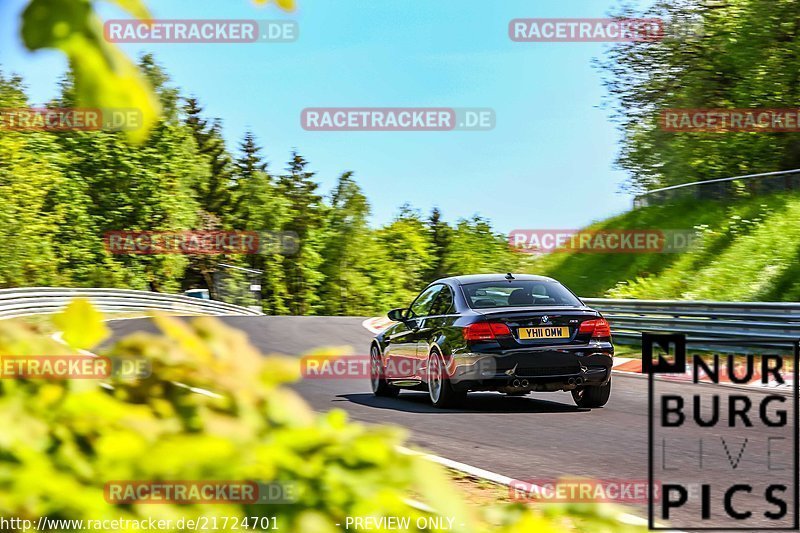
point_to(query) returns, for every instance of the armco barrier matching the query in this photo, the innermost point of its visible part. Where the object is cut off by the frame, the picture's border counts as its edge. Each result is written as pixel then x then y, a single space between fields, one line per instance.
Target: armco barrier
pixel 46 300
pixel 629 318
pixel 702 320
pixel 723 188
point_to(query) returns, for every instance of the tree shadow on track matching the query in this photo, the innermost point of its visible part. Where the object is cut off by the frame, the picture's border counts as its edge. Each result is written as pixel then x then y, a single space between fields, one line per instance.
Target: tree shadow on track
pixel 410 402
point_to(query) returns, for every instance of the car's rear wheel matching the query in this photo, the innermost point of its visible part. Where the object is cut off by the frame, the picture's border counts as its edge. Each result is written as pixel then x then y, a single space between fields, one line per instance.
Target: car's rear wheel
pixel 439 387
pixel 595 396
pixel 380 387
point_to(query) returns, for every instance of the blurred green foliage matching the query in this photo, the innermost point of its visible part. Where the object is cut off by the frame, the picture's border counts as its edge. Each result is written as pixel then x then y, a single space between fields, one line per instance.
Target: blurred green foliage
pixel 731 54
pixel 63 440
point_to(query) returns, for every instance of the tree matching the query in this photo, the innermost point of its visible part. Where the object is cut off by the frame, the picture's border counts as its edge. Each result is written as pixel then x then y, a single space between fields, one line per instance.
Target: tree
pixel 305 214
pixel 737 59
pixel 475 248
pixel 214 192
pixel 29 171
pixel 250 177
pixel 409 255
pixel 257 206
pixel 347 287
pixel 441 235
pixel 111 185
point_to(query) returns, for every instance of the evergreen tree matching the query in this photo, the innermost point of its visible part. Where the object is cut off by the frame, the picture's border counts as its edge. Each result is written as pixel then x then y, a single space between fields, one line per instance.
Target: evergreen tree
pixel 258 207
pixel 305 213
pixel 214 193
pixel 347 287
pixel 441 235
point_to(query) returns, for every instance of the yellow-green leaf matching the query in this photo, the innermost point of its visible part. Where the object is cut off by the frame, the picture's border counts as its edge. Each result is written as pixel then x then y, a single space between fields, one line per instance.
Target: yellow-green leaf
pixel 81 325
pixel 287 5
pixel 104 76
pixel 134 7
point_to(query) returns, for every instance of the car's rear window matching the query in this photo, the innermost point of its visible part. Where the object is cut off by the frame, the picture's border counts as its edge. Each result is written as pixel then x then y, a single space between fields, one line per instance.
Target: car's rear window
pixel 519 293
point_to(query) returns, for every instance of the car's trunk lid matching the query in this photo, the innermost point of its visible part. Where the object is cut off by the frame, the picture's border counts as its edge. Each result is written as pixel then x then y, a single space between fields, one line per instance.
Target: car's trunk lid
pixel 542 325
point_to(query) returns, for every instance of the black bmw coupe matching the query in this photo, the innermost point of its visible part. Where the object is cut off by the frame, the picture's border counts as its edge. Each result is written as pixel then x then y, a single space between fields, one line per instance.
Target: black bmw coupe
pixel 494 332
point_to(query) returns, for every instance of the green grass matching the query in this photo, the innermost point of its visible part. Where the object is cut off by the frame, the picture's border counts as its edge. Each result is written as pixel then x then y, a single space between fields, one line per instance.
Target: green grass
pixel 747 250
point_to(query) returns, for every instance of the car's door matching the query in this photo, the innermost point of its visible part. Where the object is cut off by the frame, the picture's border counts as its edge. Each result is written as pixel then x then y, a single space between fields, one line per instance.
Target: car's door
pixel 431 326
pixel 401 351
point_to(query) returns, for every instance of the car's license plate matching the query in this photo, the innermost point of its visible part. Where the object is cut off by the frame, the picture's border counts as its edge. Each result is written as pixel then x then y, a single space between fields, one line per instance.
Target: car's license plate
pixel 544 333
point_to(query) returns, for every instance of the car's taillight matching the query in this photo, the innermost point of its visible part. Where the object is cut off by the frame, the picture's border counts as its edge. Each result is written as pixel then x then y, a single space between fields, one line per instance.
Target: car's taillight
pixel 599 328
pixel 485 331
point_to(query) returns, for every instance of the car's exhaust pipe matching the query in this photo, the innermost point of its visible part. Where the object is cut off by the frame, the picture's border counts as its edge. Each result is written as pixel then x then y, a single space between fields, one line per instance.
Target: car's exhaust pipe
pixel 516 383
pixel 571 381
pixel 579 381
pixel 524 383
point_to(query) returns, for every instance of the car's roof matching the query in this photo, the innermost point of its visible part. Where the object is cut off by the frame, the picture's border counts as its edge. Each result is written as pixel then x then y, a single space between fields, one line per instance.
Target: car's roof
pixel 482 278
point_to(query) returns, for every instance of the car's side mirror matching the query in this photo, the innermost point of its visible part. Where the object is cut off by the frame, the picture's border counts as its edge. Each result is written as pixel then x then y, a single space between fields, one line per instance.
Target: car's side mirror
pixel 398 315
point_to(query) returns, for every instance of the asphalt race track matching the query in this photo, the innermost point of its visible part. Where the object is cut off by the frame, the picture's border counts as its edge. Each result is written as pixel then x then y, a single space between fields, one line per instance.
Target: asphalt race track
pixel 541 436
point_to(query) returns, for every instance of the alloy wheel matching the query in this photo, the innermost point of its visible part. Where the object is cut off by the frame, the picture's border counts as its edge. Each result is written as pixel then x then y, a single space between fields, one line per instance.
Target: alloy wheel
pixel 435 377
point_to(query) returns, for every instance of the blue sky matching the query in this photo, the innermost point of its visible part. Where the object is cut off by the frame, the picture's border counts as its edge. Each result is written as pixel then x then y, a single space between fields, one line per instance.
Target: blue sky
pixel 547 164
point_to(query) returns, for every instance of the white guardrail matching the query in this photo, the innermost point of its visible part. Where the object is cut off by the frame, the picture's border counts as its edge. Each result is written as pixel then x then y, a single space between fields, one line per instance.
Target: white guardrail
pixel 47 300
pixel 768 324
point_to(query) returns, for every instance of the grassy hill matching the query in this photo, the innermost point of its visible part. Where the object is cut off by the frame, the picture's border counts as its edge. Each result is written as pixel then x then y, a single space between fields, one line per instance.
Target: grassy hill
pixel 747 249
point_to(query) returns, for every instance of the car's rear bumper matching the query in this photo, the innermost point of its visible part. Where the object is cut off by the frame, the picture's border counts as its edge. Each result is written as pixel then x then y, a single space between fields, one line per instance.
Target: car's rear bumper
pixel 547 368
